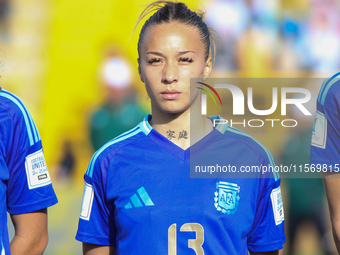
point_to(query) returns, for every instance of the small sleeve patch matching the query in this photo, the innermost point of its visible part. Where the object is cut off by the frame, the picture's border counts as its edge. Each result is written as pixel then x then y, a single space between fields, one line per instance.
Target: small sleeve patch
pixel 319 135
pixel 277 205
pixel 87 202
pixel 36 170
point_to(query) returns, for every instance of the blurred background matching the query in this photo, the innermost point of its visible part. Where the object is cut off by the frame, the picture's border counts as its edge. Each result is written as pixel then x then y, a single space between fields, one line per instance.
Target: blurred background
pixel 74 65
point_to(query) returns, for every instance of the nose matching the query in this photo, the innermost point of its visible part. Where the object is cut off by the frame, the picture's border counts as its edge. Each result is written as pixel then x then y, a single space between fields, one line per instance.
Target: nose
pixel 170 73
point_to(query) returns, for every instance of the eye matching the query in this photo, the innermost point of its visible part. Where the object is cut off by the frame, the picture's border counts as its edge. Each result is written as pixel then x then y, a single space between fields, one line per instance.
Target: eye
pixel 186 59
pixel 154 60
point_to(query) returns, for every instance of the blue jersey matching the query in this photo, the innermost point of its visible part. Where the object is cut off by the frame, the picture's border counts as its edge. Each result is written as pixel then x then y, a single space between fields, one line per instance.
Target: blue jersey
pixel 140 198
pixel 325 149
pixel 25 184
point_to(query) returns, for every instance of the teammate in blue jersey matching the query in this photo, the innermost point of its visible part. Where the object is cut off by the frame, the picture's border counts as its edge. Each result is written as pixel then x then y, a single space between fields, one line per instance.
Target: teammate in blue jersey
pixel 325 149
pixel 139 197
pixel 25 185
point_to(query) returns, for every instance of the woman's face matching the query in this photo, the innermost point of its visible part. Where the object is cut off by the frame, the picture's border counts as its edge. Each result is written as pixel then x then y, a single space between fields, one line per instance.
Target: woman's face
pixel 171 54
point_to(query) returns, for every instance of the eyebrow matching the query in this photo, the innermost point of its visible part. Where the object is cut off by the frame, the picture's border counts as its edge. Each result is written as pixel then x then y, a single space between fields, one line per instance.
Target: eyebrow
pixel 178 53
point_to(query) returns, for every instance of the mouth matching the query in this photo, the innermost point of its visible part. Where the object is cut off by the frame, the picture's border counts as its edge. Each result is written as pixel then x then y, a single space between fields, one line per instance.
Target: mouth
pixel 170 94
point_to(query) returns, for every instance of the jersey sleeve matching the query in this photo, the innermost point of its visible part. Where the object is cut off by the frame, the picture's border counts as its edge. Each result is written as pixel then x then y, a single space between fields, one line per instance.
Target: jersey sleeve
pixel 325 145
pixel 96 223
pixel 29 186
pixel 267 232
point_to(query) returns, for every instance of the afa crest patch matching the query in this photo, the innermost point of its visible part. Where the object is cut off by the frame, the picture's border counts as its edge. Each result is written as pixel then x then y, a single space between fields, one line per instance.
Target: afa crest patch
pixel 227 197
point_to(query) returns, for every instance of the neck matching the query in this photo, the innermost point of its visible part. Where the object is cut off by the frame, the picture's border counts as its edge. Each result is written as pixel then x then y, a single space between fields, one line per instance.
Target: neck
pixel 183 129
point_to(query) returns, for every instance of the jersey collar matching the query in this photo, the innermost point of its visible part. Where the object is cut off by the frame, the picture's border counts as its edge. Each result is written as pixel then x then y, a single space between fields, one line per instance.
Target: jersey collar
pixel 175 150
pixel 217 121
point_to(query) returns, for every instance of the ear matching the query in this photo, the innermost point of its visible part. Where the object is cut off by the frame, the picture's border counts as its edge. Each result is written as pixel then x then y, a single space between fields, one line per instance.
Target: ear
pixel 140 71
pixel 207 68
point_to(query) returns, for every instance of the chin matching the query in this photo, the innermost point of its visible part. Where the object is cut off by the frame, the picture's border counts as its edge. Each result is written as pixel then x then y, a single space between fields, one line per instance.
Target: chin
pixel 173 108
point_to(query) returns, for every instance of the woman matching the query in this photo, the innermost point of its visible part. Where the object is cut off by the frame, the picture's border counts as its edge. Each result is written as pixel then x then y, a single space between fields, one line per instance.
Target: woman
pixel 139 198
pixel 25 185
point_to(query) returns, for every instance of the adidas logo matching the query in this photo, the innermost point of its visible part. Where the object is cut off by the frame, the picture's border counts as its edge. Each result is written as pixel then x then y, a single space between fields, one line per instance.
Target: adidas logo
pixel 136 200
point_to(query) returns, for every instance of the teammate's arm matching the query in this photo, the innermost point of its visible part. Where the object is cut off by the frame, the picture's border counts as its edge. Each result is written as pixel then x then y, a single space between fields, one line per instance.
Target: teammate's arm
pixel 93 249
pixel 332 187
pixel 31 235
pixel 325 148
pixel 280 252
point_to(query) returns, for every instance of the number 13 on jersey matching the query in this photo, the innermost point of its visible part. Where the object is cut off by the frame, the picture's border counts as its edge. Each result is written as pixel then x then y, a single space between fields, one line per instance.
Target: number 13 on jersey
pixel 195 244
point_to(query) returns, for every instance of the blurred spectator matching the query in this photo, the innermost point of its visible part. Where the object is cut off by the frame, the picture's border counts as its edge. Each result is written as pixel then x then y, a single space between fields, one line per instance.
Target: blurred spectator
pixel 119 112
pixel 229 18
pixel 248 35
pixel 265 15
pixel 319 47
pixel 255 52
pixel 290 32
pixel 66 166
